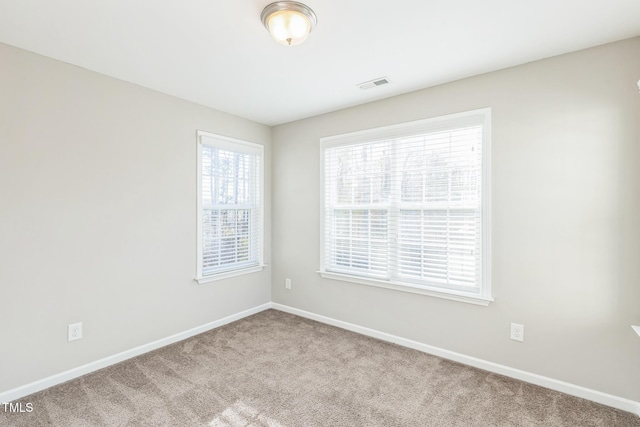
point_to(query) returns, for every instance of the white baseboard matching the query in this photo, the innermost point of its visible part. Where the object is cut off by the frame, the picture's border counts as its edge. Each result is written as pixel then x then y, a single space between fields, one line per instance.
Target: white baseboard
pixel 550 383
pixel 36 386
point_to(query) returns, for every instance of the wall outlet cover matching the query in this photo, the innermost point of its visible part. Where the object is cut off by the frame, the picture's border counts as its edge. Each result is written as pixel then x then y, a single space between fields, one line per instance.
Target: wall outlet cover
pixel 517 332
pixel 74 332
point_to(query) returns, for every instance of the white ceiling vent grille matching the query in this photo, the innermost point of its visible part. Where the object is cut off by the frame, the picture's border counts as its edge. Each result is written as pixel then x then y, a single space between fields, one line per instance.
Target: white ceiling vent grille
pixel 380 81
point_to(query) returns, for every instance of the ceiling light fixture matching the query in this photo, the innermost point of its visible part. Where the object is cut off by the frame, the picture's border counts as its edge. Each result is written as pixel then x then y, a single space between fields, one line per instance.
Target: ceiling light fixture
pixel 289 22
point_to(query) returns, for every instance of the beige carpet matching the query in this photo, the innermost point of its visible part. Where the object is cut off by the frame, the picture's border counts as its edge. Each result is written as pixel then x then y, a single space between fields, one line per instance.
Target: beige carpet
pixel 275 369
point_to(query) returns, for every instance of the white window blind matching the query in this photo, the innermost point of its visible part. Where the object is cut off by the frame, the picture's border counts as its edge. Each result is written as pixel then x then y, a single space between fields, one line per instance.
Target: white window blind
pixel 408 204
pixel 229 205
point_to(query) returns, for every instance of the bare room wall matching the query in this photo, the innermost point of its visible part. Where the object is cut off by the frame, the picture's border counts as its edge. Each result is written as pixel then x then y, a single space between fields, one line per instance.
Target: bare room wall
pixel 565 230
pixel 98 217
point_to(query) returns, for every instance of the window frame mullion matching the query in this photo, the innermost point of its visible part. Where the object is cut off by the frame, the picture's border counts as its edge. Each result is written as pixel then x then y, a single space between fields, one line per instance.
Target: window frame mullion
pixel 393 212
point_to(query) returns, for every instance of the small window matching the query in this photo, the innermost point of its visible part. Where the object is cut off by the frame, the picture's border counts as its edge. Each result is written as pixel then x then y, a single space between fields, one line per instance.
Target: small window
pixel 230 207
pixel 407 207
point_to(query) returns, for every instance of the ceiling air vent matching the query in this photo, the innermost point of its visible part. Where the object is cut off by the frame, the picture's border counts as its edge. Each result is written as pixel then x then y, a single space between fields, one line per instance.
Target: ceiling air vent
pixel 380 81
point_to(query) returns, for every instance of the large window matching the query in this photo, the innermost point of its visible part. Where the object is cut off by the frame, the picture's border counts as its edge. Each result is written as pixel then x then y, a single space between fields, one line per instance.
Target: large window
pixel 407 207
pixel 230 206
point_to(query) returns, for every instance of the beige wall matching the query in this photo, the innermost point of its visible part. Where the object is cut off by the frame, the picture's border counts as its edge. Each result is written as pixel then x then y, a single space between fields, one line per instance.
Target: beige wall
pixel 565 232
pixel 98 217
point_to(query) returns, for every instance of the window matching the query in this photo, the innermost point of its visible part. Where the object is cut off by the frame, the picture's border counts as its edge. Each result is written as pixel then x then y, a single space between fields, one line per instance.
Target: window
pixel 407 207
pixel 230 206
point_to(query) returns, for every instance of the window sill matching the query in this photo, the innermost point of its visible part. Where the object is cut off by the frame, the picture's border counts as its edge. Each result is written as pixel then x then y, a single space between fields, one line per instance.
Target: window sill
pixel 228 274
pixel 438 293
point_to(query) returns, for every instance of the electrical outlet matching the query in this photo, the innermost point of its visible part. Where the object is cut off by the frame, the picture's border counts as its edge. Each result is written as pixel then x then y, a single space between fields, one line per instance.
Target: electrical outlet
pixel 517 332
pixel 287 283
pixel 75 331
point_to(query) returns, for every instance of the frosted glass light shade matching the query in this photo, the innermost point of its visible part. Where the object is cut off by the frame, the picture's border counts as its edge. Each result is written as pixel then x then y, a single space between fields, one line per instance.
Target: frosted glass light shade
pixel 289 22
pixel 288 27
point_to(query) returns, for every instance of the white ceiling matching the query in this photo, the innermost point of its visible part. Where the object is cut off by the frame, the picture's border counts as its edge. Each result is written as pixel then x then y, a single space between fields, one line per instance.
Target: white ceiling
pixel 217 53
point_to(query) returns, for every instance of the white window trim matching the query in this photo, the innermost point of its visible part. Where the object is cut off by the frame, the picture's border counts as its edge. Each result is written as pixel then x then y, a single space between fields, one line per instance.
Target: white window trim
pixel 482 298
pixel 235 145
pixel 414 289
pixel 228 274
